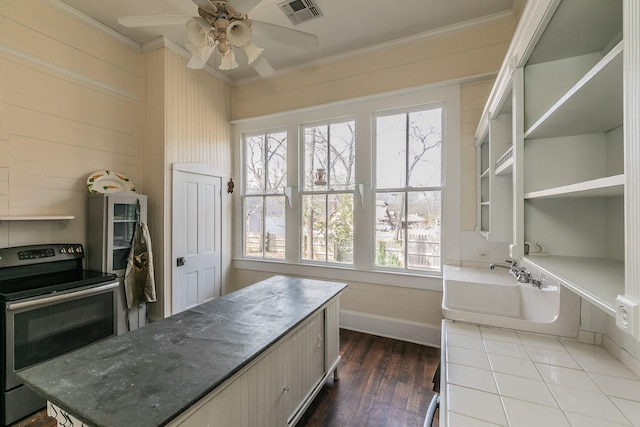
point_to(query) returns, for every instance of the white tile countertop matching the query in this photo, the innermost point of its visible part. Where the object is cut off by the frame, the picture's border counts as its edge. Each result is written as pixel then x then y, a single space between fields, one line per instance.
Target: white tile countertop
pixel 500 377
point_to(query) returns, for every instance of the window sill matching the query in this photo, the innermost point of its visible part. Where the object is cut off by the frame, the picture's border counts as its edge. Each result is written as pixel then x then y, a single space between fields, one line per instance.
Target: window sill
pixel 426 281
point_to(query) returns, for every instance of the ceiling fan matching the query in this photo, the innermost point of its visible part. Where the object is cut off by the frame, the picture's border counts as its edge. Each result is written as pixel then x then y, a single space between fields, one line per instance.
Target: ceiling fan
pixel 221 25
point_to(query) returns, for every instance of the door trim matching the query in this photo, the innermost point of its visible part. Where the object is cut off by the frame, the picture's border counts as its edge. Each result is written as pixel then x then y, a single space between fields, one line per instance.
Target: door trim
pixel 198 168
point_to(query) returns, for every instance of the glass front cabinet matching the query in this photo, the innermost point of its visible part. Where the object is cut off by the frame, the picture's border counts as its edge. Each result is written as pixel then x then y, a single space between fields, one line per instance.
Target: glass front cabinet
pixel 111 224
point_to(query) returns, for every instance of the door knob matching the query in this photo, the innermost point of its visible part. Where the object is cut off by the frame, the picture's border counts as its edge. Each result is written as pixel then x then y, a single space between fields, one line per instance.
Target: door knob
pixel 181 261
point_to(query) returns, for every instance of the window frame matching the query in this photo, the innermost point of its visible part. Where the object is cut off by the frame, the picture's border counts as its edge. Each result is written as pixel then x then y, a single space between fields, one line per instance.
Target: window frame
pixel 264 195
pixel 328 192
pixel 407 189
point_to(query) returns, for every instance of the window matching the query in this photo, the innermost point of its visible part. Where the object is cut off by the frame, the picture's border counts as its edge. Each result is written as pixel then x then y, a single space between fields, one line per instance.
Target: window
pixel 264 201
pixel 408 194
pixel 328 192
pixel 365 189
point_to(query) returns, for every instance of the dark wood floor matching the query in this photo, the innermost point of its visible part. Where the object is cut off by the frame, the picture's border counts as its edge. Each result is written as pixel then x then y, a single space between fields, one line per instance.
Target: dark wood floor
pixel 383 383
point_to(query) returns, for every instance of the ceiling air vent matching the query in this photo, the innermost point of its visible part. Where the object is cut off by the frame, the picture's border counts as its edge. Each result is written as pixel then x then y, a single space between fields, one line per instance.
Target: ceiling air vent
pixel 299 11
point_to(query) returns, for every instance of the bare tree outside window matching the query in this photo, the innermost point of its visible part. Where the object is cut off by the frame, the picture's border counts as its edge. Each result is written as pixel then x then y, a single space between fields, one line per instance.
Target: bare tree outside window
pixel 328 192
pixel 264 201
pixel 409 189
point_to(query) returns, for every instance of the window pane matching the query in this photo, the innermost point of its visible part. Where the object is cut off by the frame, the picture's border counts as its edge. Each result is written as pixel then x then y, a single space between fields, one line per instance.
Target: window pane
pixel 276 162
pixel 340 247
pixel 391 151
pixel 316 144
pixel 389 233
pixel 253 226
pixel 423 230
pixel 314 227
pixel 342 156
pixel 425 148
pixel 254 164
pixel 274 227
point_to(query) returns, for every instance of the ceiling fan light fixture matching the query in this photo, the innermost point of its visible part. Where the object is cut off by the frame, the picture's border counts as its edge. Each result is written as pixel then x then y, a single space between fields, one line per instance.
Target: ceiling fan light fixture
pixel 238 33
pixel 252 51
pixel 228 61
pixel 196 32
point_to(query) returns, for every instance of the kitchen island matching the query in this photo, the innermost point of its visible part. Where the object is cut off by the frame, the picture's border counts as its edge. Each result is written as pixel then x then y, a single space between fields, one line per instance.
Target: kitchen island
pixel 256 356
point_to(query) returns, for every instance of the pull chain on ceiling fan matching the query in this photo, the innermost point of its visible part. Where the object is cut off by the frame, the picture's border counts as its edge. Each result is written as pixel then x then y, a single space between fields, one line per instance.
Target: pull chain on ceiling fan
pixel 222 26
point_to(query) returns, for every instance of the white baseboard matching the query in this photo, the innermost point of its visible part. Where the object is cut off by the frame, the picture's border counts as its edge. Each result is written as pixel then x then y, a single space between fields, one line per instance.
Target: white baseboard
pixel 389 327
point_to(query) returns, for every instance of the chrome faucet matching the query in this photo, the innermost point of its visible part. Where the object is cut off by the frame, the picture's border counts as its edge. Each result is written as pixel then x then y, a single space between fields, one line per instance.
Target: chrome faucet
pixel 520 273
pixel 512 264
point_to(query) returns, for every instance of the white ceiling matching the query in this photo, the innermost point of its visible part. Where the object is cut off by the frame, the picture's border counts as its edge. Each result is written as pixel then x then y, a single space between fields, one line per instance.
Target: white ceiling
pixel 346 27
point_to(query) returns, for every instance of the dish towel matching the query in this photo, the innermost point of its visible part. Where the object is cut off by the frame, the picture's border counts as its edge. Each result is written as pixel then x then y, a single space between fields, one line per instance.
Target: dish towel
pixel 139 282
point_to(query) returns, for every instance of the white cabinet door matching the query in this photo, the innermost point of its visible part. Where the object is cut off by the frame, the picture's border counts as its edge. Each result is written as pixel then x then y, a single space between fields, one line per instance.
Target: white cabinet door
pixel 196 239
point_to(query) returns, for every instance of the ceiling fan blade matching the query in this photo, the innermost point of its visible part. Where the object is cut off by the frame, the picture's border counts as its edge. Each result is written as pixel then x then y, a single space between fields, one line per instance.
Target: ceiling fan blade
pixel 243 6
pixel 153 20
pixel 263 67
pixel 200 56
pixel 206 5
pixel 284 35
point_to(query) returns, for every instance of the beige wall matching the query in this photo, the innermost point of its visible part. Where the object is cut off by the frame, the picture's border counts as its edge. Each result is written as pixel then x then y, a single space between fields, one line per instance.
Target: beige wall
pixel 452 56
pixel 75 99
pixel 70 104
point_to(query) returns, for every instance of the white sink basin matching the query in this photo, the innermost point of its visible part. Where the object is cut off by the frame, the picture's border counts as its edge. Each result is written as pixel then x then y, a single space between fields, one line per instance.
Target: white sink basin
pixel 494 298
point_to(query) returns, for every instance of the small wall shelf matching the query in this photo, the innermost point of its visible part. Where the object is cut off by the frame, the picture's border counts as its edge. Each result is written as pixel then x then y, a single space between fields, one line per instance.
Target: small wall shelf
pixel 63 219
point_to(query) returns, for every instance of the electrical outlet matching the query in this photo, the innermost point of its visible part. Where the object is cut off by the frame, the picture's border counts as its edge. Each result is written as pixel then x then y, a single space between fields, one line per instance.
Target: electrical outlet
pixel 483 254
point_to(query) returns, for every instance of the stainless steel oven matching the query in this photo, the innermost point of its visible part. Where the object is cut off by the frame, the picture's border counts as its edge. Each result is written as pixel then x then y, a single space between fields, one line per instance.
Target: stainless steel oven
pixel 51 307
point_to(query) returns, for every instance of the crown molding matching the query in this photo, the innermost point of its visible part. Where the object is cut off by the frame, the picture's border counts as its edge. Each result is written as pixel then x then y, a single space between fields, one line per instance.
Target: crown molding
pixel 414 38
pixel 90 21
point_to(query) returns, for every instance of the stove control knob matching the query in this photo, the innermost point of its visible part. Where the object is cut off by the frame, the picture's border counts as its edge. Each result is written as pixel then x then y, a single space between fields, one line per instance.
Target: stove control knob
pixel 63 250
pixel 78 249
pixel 70 250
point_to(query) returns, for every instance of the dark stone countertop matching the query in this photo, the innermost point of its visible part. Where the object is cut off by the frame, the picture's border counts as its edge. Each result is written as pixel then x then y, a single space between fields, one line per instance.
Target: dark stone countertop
pixel 149 376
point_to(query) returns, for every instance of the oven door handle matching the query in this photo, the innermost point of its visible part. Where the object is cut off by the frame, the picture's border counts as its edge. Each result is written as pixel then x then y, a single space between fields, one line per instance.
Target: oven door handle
pixel 60 298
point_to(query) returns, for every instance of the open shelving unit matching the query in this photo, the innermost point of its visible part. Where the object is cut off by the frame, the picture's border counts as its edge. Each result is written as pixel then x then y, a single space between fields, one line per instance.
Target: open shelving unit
pixel 575 205
pixel 569 158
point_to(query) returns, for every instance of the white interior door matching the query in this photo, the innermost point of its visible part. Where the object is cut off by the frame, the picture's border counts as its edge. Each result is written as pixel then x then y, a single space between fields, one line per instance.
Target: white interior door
pixel 196 238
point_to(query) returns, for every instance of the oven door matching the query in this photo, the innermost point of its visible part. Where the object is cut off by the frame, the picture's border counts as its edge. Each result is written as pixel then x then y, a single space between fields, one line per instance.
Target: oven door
pixel 39 329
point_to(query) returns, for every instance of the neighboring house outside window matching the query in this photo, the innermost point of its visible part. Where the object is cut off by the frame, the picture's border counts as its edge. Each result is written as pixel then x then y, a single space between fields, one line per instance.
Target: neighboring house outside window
pixel 328 192
pixel 408 188
pixel 264 201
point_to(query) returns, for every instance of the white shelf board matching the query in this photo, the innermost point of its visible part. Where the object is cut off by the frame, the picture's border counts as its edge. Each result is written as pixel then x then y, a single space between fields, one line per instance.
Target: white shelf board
pixel 597 280
pixel 485 174
pixel 505 168
pixel 64 219
pixel 592 105
pixel 505 163
pixel 36 217
pixel 602 187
